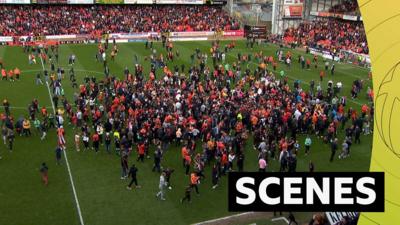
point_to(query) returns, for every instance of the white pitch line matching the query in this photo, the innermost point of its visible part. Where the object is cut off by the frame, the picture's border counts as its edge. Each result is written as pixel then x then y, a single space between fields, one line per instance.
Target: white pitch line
pixel 24 107
pixel 66 159
pixel 224 218
pixel 280 218
pixel 77 70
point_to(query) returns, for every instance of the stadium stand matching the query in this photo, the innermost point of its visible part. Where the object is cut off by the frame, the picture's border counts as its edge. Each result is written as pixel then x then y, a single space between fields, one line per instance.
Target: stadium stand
pixel 330 34
pixel 349 6
pixel 97 19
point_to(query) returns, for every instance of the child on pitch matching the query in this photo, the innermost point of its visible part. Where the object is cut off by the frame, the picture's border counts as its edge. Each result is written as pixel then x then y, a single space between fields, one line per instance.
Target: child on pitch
pixel 44 173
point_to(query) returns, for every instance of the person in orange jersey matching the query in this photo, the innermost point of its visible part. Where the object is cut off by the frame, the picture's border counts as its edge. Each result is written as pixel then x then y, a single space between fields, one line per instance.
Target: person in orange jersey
pixel 17 73
pixel 3 74
pixel 194 182
pixel 11 75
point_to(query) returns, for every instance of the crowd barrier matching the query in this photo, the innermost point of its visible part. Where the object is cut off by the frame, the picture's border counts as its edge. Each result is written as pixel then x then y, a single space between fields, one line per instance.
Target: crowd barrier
pixel 344 56
pixel 119 37
pixel 336 15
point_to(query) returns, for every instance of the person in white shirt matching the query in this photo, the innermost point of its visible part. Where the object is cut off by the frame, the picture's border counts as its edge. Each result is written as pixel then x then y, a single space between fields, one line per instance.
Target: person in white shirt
pixel 297 114
pixel 231 157
pixel 100 131
pixel 161 194
pixel 288 62
pixel 77 142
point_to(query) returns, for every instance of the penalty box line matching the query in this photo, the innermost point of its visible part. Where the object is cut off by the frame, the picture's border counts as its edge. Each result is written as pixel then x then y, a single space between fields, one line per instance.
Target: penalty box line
pixel 66 158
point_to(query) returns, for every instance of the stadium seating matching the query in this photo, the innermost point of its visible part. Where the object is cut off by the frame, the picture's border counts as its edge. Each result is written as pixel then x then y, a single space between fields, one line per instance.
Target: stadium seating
pixel 330 35
pixel 347 7
pixel 95 19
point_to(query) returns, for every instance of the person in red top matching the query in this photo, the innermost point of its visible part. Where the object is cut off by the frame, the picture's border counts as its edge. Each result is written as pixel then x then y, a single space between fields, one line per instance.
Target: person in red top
pixel 364 110
pixel 3 74
pixel 96 140
pixel 44 111
pixel 141 152
pixel 224 162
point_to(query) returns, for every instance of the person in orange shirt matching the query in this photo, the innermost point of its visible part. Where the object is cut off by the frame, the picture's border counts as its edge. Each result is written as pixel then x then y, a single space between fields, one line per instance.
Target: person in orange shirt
pixel 364 110
pixel 141 151
pixel 3 74
pixel 17 72
pixel 26 125
pixel 11 75
pixel 254 121
pixel 274 65
pixel 224 162
pixel 194 181
pixel 188 162
pixel 321 75
pixel 44 111
pixel 184 152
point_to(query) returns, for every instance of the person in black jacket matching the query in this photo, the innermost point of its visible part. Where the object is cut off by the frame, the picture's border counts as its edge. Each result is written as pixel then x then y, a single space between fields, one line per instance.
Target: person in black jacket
pixel 157 160
pixel 215 176
pixel 334 147
pixel 132 174
pixel 188 191
pixel 168 172
pixel 240 161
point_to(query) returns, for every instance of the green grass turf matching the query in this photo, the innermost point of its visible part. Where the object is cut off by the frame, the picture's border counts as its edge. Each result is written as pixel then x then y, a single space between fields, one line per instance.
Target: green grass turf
pixel 102 195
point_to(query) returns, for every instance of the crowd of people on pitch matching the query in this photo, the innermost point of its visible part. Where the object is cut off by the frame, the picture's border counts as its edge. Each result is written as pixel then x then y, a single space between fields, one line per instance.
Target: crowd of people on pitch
pixel 330 35
pixel 37 20
pixel 213 108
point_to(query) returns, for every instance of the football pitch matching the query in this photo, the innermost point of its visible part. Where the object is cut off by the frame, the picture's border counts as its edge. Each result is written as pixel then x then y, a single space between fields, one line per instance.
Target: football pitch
pixel 99 191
